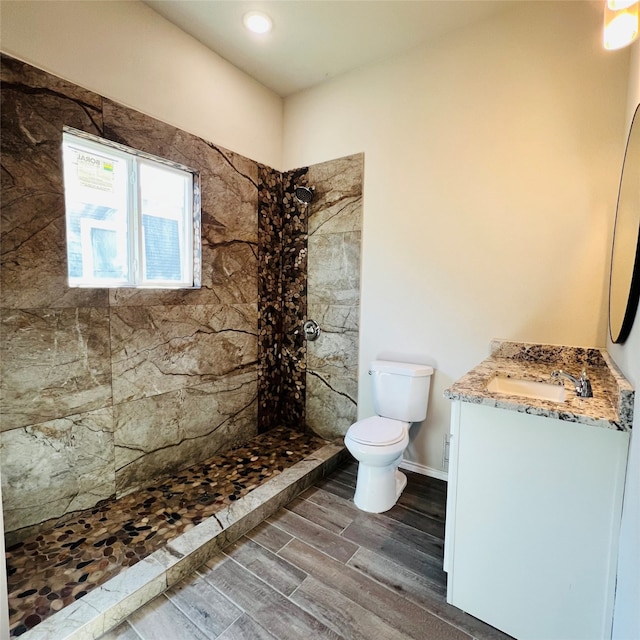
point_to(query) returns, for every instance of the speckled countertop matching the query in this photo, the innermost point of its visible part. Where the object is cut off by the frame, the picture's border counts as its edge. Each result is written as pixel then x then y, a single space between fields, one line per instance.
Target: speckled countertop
pixel 611 406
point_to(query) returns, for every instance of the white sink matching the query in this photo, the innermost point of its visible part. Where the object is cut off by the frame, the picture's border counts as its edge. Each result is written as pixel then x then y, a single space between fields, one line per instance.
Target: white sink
pixel 526 388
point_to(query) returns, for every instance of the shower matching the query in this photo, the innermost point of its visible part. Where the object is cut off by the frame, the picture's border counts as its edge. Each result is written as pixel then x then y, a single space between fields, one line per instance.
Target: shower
pixel 303 195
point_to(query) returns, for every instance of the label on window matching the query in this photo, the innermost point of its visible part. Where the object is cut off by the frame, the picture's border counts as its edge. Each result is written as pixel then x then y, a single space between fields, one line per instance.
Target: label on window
pixel 95 172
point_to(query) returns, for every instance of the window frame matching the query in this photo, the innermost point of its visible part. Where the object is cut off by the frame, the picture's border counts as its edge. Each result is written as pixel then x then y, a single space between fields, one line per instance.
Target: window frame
pixel 192 242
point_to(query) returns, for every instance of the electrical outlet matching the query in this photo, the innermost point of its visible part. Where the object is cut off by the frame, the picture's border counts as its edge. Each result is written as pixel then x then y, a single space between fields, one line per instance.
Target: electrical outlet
pixel 445 450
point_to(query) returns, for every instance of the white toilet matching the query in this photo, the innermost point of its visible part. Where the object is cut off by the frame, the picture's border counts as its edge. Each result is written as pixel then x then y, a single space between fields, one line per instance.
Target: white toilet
pixel 400 397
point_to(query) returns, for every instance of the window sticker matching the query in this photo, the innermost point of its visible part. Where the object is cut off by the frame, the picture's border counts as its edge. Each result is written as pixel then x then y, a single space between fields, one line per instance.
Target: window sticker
pixel 94 171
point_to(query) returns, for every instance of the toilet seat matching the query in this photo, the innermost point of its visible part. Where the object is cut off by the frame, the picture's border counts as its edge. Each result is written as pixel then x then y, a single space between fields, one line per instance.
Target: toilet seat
pixel 377 431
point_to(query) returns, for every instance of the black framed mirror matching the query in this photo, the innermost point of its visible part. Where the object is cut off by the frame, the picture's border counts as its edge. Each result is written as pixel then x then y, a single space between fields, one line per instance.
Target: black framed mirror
pixel 624 284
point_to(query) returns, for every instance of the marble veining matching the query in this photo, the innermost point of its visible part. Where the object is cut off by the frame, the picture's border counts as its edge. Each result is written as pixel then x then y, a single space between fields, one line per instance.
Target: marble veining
pixel 35 107
pixel 56 467
pixel 159 349
pixel 156 435
pixel 611 406
pixel 54 363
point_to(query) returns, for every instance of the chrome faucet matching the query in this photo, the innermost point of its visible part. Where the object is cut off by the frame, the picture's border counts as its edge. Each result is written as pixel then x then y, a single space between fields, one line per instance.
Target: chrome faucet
pixel 582 384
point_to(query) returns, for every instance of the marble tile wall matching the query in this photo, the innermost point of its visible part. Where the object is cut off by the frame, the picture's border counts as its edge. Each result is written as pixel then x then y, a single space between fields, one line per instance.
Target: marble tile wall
pixel 102 389
pixel 333 294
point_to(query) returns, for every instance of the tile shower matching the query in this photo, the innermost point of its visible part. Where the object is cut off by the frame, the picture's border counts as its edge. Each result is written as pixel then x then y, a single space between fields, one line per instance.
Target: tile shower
pixel 105 390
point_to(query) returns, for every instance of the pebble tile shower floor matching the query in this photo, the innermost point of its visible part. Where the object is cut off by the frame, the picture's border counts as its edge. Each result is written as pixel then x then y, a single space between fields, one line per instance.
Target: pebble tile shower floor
pixel 53 568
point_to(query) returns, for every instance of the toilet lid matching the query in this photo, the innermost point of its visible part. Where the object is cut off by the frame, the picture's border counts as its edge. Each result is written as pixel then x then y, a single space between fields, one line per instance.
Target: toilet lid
pixel 377 431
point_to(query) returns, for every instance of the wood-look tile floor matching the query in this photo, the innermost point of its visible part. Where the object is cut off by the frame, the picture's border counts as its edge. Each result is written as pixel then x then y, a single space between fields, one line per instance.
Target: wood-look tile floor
pixel 321 568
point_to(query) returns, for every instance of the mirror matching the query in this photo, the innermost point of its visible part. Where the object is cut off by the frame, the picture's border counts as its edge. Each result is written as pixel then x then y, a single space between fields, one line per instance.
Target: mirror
pixel 624 286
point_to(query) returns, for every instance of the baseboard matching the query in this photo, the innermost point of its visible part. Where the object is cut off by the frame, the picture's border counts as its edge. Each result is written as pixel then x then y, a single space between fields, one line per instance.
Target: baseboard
pixel 424 470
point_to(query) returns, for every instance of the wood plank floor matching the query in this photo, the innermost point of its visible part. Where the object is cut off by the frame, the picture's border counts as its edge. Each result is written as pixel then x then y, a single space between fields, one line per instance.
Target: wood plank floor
pixel 321 568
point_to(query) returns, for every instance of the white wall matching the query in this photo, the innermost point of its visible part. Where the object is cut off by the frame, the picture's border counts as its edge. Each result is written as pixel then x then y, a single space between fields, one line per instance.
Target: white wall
pixel 127 52
pixel 627 357
pixel 491 170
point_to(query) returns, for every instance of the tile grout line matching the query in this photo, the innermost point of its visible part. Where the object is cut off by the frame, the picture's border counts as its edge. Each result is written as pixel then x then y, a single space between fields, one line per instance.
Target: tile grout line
pixel 186 614
pixel 421 606
pixel 273 588
pixel 373 578
pixel 233 602
pixel 317 505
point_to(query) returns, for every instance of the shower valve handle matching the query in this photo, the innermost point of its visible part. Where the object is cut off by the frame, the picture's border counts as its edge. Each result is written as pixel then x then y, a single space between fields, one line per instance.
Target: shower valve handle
pixel 311 330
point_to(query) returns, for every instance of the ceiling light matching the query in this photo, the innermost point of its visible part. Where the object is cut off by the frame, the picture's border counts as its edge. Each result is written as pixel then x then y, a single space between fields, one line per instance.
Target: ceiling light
pixel 620 25
pixel 257 22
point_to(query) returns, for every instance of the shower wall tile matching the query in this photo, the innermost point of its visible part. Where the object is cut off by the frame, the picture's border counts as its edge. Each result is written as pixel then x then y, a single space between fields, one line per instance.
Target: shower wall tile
pixel 165 433
pixel 56 467
pixel 269 234
pixel 333 293
pixel 337 354
pixel 338 202
pixel 35 106
pixel 269 358
pixel 332 366
pixel 159 349
pixel 334 268
pixel 330 411
pixel 269 294
pixel 54 363
pixel 282 257
pixel 294 238
pixel 294 300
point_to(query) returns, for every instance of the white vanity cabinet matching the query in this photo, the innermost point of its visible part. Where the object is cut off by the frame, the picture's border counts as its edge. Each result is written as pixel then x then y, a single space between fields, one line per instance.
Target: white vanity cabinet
pixel 533 515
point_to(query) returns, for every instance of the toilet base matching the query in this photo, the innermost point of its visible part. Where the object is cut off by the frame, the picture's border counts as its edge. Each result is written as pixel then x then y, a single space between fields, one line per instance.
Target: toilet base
pixel 401 483
pixel 378 488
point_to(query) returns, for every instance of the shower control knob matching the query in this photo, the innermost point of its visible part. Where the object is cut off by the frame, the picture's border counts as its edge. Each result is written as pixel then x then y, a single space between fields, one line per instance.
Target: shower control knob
pixel 311 330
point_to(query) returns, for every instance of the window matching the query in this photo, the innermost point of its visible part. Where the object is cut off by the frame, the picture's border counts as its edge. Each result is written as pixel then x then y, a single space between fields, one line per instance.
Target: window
pixel 133 220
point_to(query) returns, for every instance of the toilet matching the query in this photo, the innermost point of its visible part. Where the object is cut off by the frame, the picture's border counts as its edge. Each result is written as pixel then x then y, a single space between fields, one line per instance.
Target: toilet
pixel 400 397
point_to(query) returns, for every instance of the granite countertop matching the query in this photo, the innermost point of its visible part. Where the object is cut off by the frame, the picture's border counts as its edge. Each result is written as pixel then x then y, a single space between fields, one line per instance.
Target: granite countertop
pixel 611 406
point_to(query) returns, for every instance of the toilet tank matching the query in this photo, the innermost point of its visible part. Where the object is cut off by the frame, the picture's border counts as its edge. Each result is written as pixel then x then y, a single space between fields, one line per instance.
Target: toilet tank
pixel 400 389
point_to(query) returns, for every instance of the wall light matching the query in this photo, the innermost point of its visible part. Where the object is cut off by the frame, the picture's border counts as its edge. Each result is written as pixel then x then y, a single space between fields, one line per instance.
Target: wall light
pixel 620 23
pixel 257 22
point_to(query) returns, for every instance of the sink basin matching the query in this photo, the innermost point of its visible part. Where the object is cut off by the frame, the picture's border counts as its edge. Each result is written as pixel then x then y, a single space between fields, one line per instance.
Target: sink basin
pixel 526 388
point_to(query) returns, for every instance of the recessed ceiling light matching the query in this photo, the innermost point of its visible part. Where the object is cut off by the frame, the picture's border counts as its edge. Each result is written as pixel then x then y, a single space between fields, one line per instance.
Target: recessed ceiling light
pixel 257 22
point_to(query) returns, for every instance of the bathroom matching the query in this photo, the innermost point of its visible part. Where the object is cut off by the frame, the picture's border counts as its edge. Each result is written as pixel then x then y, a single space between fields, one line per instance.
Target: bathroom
pixel 490 179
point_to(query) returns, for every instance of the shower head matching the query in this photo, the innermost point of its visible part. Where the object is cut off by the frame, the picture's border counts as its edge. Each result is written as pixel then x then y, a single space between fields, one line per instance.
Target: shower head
pixel 303 195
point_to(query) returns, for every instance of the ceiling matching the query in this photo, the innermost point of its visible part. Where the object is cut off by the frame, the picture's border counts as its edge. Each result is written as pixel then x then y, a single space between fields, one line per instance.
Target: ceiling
pixel 313 40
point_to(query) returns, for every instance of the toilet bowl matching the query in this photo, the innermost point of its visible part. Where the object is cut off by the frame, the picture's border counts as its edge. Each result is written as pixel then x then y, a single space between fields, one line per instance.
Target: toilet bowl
pixel 378 444
pixel 400 397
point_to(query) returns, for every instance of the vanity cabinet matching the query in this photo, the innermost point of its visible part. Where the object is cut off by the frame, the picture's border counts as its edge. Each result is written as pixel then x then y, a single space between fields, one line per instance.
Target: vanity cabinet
pixel 533 516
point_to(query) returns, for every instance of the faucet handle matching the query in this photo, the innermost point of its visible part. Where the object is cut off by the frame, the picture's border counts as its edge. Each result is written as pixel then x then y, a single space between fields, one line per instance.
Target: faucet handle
pixel 585 385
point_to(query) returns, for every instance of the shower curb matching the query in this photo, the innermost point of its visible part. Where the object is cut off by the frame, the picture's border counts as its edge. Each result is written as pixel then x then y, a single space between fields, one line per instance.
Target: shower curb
pixel 109 604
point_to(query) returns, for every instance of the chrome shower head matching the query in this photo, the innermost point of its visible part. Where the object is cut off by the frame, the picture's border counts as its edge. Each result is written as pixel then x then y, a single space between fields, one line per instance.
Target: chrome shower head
pixel 303 195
